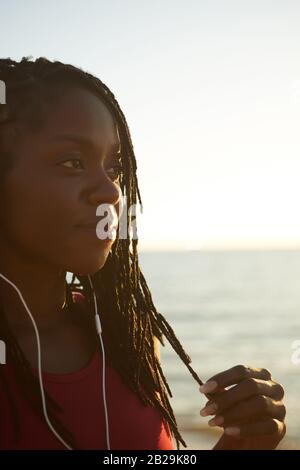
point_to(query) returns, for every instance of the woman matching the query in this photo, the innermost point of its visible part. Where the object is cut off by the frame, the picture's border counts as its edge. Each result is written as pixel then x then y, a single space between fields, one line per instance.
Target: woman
pixel 65 151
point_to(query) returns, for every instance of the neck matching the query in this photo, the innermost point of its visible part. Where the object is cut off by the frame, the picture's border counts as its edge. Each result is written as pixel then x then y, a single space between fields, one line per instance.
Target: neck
pixel 43 290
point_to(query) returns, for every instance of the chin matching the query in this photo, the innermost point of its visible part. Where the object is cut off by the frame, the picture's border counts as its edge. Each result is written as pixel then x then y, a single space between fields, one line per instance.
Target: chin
pixel 88 267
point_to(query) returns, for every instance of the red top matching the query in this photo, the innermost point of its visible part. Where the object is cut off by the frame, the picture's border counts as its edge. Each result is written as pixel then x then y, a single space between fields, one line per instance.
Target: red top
pixel 132 425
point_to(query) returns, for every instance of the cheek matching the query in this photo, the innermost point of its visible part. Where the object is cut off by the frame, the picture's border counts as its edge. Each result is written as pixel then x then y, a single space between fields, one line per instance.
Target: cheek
pixel 34 216
pixel 40 221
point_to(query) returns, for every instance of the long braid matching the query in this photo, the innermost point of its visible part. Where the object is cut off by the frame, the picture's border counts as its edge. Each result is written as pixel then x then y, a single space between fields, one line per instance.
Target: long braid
pixel 129 318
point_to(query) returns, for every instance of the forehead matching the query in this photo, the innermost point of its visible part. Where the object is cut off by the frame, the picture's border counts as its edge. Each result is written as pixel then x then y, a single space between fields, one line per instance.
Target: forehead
pixel 79 112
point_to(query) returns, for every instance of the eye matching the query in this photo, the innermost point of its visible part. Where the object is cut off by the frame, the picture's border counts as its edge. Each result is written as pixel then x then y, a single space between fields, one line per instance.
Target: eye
pixel 114 171
pixel 72 160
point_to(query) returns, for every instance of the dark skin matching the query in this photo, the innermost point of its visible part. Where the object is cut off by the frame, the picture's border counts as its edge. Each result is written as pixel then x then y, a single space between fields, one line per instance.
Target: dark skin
pixel 54 185
pixel 46 193
pixel 251 412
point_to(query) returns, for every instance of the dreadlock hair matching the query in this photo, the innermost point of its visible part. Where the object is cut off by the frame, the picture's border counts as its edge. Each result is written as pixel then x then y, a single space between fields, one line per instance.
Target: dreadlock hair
pixel 129 318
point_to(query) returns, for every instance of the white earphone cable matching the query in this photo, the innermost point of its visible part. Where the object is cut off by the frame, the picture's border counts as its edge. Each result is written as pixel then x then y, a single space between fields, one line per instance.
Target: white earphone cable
pixel 39 364
pixel 99 331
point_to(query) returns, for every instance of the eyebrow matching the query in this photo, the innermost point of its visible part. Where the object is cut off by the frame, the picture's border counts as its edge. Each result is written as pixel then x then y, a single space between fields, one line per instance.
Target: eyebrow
pixel 84 142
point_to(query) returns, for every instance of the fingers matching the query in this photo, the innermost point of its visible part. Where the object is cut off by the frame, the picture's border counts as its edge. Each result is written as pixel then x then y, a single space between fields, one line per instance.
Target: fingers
pixel 250 387
pixel 251 407
pixel 256 407
pixel 233 376
pixel 268 427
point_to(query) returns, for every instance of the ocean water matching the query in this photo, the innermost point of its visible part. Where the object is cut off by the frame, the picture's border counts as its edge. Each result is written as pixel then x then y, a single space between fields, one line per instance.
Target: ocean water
pixel 228 308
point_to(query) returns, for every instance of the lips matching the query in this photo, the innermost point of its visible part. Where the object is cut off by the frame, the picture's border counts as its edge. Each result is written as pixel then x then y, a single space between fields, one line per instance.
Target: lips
pixel 107 230
pixel 91 227
pixel 89 223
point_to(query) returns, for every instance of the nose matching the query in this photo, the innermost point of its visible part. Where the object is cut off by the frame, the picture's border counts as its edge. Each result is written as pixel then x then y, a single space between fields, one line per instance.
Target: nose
pixel 102 190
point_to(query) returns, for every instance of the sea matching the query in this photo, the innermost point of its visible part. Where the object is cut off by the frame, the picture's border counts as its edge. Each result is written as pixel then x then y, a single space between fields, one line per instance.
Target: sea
pixel 228 308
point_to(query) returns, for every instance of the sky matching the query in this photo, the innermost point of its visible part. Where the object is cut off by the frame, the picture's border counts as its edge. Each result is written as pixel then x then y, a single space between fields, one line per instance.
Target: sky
pixel 211 93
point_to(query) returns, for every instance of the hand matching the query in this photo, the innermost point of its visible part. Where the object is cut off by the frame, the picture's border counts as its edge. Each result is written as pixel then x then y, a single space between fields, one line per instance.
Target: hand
pixel 251 413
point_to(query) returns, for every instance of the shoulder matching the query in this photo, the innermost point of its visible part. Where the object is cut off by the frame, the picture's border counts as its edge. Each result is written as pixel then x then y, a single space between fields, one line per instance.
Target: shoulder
pixel 79 298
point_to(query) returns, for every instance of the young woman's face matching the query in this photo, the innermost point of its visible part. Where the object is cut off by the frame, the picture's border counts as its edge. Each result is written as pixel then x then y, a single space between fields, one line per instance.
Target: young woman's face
pixel 57 183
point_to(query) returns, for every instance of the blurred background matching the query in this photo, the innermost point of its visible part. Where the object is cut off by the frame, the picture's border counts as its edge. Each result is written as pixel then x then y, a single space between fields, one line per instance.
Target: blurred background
pixel 211 93
pixel 228 308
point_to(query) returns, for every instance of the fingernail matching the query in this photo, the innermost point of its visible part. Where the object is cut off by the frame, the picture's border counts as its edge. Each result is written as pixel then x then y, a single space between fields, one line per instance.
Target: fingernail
pixel 209 410
pixel 217 421
pixel 232 431
pixel 209 386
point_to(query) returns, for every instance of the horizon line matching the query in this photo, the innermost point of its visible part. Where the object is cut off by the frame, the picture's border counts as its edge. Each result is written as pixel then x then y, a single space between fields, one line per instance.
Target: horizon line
pixel 218 248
